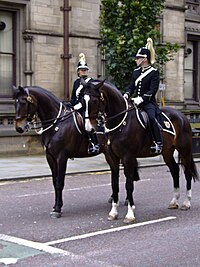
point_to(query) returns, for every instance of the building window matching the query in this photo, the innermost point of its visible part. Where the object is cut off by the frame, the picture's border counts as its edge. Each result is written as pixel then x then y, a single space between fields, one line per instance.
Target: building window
pixel 7 53
pixel 192 69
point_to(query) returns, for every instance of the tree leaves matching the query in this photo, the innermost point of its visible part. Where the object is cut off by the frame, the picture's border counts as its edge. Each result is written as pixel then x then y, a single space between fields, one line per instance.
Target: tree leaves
pixel 124 27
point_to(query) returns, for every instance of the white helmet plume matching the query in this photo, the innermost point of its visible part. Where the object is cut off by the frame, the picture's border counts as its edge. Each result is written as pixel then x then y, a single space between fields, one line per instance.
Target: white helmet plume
pixel 149 46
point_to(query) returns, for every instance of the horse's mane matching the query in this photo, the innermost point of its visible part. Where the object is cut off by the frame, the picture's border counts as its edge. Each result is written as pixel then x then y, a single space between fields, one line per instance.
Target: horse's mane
pixel 45 91
pixel 113 87
pixel 107 83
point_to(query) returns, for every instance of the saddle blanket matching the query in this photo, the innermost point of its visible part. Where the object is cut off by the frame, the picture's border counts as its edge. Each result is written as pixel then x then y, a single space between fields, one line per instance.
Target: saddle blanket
pixel 163 121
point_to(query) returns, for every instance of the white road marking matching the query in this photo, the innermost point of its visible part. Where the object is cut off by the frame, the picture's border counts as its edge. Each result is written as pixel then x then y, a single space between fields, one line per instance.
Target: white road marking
pixel 73 189
pixel 45 248
pixel 66 190
pixel 36 245
pixel 111 230
pixel 7 261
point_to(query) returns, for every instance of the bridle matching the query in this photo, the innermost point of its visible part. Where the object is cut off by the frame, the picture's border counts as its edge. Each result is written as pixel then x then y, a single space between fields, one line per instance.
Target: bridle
pixel 32 119
pixel 102 119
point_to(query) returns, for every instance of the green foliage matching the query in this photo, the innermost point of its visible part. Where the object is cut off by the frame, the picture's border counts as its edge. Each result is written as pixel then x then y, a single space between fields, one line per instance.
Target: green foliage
pixel 124 27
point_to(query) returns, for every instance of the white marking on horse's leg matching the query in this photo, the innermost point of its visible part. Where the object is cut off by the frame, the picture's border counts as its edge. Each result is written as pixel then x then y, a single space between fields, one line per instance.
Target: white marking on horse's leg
pixel 88 125
pixel 130 216
pixel 174 202
pixel 113 214
pixel 186 203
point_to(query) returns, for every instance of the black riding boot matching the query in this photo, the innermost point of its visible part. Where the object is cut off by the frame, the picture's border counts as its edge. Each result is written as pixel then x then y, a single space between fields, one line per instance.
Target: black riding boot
pixel 93 147
pixel 158 144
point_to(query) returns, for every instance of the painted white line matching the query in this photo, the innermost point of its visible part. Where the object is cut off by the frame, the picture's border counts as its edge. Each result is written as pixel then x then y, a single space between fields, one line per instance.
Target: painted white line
pixel 66 190
pixel 73 189
pixel 48 249
pixel 102 232
pixel 36 245
pixel 8 261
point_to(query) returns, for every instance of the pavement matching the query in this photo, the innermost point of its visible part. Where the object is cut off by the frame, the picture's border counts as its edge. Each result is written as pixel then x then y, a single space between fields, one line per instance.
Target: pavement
pixel 27 167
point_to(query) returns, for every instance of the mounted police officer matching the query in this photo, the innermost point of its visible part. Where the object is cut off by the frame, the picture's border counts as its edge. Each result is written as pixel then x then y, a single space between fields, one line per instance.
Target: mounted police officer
pixel 78 102
pixel 144 86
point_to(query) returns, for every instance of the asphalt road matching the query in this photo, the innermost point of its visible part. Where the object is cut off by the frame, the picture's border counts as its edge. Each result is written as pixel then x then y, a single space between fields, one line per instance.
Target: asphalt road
pixel 84 237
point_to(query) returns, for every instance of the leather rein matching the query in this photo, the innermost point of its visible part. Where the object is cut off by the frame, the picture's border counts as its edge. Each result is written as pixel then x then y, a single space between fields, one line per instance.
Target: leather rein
pixel 32 120
pixel 102 119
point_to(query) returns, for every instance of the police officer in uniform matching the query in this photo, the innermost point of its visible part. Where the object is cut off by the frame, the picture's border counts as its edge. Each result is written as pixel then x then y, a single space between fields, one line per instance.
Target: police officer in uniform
pixel 144 86
pixel 78 102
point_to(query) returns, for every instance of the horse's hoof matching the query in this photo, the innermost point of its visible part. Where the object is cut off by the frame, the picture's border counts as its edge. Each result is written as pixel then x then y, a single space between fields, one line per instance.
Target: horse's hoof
pixel 128 220
pixel 112 217
pixel 173 206
pixel 184 207
pixel 55 214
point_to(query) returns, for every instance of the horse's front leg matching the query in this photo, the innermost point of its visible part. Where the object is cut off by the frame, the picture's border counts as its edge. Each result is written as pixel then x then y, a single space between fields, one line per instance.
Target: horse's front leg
pixel 58 168
pixel 114 166
pixel 131 173
pixel 113 214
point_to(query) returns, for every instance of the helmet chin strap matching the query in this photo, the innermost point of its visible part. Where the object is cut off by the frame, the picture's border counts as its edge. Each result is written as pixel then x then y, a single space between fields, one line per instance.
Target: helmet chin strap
pixel 139 65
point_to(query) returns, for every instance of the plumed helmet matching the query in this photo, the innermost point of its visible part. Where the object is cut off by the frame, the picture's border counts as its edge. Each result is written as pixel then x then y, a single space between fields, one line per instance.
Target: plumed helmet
pixel 147 51
pixel 82 64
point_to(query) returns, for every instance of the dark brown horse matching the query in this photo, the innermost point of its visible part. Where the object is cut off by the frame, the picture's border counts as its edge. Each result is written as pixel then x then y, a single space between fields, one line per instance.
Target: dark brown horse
pixel 128 140
pixel 62 137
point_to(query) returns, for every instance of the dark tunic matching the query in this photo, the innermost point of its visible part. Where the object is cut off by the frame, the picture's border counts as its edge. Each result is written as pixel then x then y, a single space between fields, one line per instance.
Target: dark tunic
pixel 77 91
pixel 145 83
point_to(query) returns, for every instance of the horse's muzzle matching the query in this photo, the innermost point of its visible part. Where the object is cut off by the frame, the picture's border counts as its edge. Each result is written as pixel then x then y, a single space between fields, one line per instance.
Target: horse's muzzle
pixel 21 126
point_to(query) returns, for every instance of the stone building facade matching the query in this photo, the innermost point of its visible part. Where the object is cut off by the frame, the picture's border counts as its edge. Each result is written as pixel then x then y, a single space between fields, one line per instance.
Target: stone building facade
pixel 40 41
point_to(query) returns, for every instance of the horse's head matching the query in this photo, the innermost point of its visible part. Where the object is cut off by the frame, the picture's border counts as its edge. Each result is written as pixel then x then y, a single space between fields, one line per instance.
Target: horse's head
pixel 25 108
pixel 105 106
pixel 95 105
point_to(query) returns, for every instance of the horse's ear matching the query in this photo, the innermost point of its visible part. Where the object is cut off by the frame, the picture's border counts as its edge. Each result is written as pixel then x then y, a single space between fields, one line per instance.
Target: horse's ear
pixel 21 89
pixel 15 91
pixel 100 84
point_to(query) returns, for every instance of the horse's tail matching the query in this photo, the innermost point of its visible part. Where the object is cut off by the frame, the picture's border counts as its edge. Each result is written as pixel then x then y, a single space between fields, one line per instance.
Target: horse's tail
pixel 193 168
pixel 194 171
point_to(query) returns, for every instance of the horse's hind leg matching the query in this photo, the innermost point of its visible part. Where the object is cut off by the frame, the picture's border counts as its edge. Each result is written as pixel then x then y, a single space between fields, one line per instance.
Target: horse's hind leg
pixel 174 170
pixel 189 171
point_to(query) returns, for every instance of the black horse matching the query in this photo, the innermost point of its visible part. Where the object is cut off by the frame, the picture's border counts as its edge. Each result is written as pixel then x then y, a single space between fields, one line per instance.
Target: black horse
pixel 63 136
pixel 128 140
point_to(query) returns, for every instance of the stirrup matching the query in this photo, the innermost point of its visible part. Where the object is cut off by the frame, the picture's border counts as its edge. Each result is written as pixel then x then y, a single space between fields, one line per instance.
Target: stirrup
pixel 156 148
pixel 93 149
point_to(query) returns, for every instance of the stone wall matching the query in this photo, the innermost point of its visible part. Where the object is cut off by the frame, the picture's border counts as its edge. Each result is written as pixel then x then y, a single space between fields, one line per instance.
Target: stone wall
pixel 47 47
pixel 84 35
pixel 174 32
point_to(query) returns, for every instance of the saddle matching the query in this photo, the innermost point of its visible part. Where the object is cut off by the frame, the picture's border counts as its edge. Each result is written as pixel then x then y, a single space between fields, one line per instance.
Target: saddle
pixel 162 119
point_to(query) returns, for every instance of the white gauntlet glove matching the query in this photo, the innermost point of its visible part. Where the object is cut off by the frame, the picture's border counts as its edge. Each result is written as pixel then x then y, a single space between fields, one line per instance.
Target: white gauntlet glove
pixel 78 106
pixel 126 96
pixel 137 100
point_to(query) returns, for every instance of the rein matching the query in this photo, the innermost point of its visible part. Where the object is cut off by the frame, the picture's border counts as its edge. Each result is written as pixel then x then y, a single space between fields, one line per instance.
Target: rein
pixel 122 121
pixel 55 120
